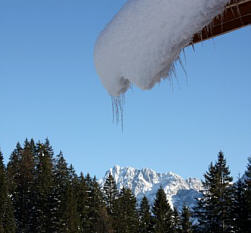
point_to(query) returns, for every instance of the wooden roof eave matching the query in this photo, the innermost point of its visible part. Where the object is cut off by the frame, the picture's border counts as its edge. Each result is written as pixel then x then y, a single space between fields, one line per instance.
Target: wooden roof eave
pixel 237 14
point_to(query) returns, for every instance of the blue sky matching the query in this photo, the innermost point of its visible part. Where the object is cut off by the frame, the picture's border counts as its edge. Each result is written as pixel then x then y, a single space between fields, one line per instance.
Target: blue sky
pixel 49 88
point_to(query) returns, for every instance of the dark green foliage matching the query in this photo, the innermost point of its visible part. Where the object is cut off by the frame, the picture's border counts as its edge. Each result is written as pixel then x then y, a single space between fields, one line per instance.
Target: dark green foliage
pixel 248 183
pixel 83 202
pixel 13 168
pixel 66 217
pixel 214 207
pixel 110 194
pixel 163 214
pixel 71 217
pixel 61 179
pixel 95 204
pixel 145 218
pixel 126 216
pixel 97 219
pixel 186 225
pixel 240 207
pixel 48 196
pixel 21 170
pixel 176 221
pixel 44 205
pixel 7 221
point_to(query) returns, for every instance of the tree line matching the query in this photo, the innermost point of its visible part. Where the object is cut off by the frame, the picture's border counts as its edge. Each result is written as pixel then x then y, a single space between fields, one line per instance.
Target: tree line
pixel 41 193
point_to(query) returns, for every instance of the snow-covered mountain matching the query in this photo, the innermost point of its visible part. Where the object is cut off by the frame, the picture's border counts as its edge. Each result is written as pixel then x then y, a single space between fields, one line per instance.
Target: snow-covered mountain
pixel 146 182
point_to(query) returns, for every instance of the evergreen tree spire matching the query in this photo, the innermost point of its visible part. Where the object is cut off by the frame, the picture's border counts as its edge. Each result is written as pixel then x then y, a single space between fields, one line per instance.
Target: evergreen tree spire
pixel 176 221
pixel 214 208
pixel 71 216
pixel 248 182
pixel 126 220
pixel 44 183
pixel 186 225
pixel 240 207
pixel 83 203
pixel 7 221
pixel 145 218
pixel 163 214
pixel 21 173
pixel 110 193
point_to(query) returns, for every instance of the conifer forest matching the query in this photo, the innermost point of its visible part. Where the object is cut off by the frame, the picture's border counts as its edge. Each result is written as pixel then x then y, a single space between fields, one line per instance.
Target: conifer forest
pixel 41 193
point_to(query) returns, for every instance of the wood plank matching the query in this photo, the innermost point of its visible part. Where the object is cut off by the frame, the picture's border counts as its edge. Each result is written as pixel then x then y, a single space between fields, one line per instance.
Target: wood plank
pixel 237 14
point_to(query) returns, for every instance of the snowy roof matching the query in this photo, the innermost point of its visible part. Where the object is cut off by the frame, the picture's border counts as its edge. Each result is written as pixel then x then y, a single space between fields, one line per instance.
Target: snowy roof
pixel 142 43
pixel 237 14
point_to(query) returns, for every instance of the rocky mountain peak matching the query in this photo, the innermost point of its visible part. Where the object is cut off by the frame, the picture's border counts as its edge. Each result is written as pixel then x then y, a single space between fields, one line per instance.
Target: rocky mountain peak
pixel 146 182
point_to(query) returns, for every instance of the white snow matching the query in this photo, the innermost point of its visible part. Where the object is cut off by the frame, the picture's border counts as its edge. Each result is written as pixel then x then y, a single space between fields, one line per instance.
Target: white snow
pixel 146 182
pixel 142 42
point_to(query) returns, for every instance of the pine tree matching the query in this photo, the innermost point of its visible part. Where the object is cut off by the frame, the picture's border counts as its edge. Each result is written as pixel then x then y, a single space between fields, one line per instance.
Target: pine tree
pixel 239 210
pixel 44 183
pixel 126 220
pixel 85 206
pixel 163 214
pixel 21 170
pixel 71 217
pixel 248 183
pixel 242 202
pixel 82 202
pixel 186 225
pixel 104 224
pixel 13 168
pixel 213 210
pixel 110 194
pixel 7 221
pixel 97 212
pixel 65 195
pixel 176 221
pixel 3 192
pixel 61 179
pixel 145 218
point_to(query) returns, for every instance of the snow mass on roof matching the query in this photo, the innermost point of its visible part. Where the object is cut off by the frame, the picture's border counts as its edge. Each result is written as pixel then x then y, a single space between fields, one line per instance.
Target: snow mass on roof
pixel 141 43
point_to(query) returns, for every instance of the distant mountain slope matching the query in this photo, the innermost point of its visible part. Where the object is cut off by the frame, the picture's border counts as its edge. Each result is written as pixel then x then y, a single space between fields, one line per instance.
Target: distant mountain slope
pixel 146 182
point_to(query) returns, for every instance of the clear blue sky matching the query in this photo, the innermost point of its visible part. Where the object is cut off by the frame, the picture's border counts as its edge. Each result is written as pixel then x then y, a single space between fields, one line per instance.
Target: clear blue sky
pixel 49 88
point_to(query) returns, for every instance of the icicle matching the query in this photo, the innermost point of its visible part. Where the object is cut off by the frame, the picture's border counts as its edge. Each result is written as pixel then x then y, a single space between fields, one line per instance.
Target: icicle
pixel 184 55
pixel 182 66
pixel 118 103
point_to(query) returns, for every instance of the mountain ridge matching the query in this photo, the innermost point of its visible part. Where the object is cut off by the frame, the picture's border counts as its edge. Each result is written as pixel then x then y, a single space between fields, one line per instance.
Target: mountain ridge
pixel 146 182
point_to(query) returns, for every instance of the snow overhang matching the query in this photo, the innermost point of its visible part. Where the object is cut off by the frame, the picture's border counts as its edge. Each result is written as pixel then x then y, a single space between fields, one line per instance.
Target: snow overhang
pixel 142 43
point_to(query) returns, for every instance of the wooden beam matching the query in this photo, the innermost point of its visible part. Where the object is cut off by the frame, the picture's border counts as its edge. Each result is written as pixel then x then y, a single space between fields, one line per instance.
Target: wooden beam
pixel 237 14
